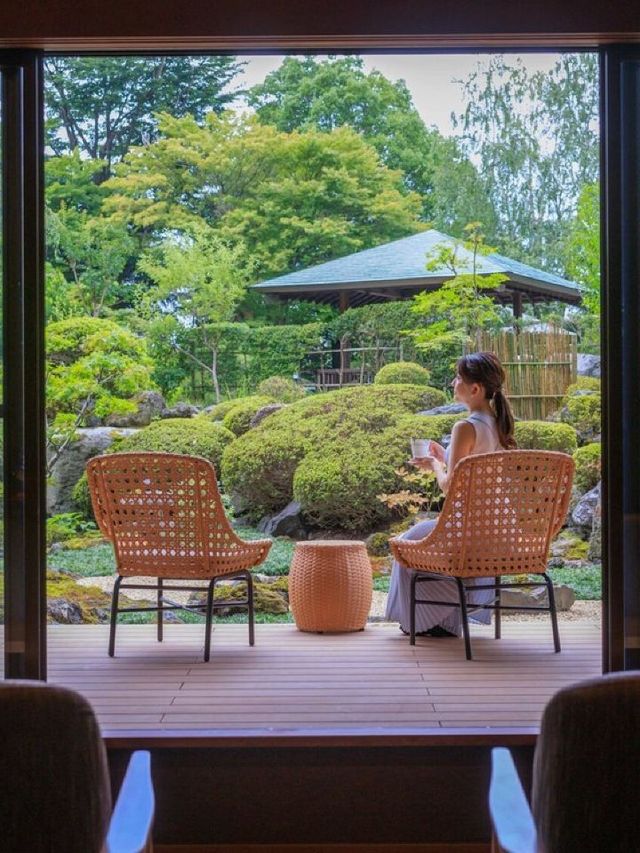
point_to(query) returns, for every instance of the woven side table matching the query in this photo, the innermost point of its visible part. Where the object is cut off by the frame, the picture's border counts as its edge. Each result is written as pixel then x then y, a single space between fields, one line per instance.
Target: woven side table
pixel 330 585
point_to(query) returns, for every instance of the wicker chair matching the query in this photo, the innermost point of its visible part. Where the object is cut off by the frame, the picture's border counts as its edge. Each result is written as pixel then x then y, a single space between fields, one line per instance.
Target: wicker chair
pixel 164 515
pixel 501 512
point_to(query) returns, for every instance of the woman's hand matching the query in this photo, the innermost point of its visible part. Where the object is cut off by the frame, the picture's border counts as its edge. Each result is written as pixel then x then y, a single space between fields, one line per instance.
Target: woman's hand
pixel 426 463
pixel 438 451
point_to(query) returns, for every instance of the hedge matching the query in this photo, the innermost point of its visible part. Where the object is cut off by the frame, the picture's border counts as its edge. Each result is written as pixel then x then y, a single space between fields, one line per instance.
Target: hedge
pixel 193 436
pixel 281 389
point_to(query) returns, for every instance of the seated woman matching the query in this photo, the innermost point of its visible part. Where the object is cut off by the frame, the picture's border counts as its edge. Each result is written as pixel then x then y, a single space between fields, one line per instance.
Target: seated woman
pixel 489 428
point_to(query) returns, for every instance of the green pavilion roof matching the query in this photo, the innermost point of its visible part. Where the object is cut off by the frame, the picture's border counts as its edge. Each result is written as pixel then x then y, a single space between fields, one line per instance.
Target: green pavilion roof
pixel 397 270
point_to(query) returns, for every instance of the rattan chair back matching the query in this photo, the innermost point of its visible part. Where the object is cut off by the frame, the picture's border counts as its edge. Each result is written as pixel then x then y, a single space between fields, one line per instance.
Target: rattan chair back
pixel 501 512
pixel 164 515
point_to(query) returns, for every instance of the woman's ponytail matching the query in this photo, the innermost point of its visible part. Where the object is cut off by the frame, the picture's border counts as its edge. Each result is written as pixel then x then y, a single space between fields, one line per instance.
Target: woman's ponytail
pixel 504 420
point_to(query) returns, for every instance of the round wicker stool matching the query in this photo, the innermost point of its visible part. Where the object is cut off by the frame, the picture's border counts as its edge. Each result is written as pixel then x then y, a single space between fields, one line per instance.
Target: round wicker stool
pixel 330 585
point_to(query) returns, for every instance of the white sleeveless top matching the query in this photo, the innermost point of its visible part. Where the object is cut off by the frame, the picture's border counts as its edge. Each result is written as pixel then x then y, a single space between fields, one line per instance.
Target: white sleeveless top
pixel 487 438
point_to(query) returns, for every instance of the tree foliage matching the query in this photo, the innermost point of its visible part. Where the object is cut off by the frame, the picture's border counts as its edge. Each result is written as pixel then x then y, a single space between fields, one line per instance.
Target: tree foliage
pixel 326 94
pixel 94 367
pixel 535 136
pixel 101 106
pixel 460 307
pixel 291 199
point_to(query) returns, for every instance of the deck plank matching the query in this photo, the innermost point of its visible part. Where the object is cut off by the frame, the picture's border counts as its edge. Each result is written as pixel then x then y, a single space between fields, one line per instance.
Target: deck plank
pixel 291 680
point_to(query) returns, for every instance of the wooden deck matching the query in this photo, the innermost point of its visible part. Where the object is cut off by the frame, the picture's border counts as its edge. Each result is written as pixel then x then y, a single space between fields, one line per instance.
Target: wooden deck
pixel 290 680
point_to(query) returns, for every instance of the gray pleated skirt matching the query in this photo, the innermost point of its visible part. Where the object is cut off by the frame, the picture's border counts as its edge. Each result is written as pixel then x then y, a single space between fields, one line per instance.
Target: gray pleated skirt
pixel 444 589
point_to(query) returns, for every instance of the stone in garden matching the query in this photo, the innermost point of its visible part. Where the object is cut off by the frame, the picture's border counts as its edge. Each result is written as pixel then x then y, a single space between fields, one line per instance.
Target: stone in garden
pixel 150 405
pixel 536 596
pixel 62 611
pixel 588 365
pixel 264 412
pixel 288 522
pixel 583 512
pixel 71 464
pixel 447 409
pixel 595 540
pixel 180 410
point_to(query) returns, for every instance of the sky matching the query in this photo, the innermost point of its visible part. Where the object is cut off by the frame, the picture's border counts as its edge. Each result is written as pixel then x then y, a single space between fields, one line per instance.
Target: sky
pixel 430 78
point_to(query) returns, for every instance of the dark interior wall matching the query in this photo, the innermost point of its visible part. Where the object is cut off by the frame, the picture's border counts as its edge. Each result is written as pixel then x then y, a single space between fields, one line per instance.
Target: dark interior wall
pixel 357 795
pixel 59 23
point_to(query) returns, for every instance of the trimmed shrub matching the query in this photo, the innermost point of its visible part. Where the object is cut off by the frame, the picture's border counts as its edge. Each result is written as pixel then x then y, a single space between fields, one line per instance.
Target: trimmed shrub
pixel 194 436
pixel 584 383
pixel 583 413
pixel 402 372
pixel 220 410
pixel 345 434
pixel 281 389
pixel 588 467
pixel 238 418
pixel 581 407
pixel 542 435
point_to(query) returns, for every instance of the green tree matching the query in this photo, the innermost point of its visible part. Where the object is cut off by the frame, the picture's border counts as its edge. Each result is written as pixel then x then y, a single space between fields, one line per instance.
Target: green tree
pixel 460 307
pixel 103 105
pixel 71 182
pixel 92 252
pixel 583 247
pixel 94 367
pixel 290 199
pixel 200 281
pixel 325 94
pixel 535 137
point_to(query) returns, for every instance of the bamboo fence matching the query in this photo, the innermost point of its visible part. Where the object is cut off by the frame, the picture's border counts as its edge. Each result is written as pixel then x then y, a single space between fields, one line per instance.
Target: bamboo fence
pixel 539 365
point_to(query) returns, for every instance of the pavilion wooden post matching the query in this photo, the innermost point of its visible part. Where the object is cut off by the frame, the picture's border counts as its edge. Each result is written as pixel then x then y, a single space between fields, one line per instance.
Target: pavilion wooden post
pixel 517 310
pixel 344 301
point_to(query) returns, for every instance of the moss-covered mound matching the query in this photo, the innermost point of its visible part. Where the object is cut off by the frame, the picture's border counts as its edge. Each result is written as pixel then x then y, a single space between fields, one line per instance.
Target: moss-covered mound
pixel 402 372
pixel 333 452
pixel 588 467
pixel 193 436
pixel 543 435
pixel 238 418
pixel 220 410
pixel 281 389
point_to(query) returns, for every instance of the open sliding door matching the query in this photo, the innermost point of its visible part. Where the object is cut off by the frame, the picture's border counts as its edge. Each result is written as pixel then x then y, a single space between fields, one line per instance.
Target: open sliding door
pixel 22 324
pixel 621 347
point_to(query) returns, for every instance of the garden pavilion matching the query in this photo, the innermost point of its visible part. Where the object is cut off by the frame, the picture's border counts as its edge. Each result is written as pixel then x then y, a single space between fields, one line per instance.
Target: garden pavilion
pixel 398 270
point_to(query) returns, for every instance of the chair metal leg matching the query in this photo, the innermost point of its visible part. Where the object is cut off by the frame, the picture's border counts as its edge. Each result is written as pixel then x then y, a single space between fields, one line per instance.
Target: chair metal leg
pixel 114 616
pixel 465 618
pixel 252 637
pixel 160 612
pixel 498 620
pixel 412 610
pixel 209 618
pixel 554 614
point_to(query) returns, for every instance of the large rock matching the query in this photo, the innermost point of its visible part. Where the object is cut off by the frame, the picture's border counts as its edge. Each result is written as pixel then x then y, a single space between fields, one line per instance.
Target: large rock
pixel 595 540
pixel 264 412
pixel 288 522
pixel 447 409
pixel 270 597
pixel 536 596
pixel 64 612
pixel 180 410
pixel 150 405
pixel 70 466
pixel 588 365
pixel 583 512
